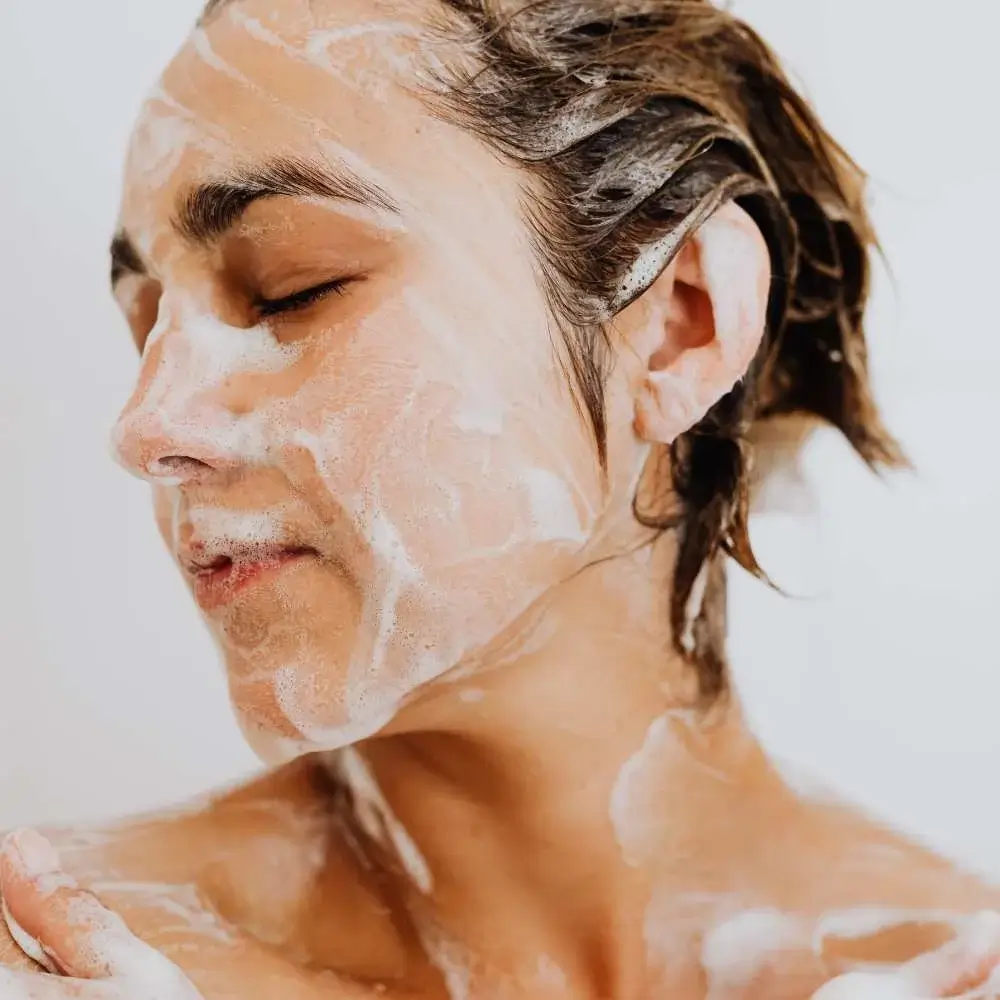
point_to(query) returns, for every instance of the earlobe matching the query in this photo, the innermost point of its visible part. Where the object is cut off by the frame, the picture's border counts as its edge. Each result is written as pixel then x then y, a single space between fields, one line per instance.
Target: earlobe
pixel 706 326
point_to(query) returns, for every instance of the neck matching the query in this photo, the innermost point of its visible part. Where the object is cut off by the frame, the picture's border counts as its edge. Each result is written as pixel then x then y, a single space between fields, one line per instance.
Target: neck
pixel 553 781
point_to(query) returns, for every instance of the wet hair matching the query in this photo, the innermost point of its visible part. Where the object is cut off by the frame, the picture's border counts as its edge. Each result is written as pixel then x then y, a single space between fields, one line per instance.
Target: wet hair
pixel 637 120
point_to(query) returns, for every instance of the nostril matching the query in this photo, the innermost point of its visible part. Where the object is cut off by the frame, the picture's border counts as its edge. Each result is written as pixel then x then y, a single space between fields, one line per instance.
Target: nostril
pixel 171 464
pixel 177 467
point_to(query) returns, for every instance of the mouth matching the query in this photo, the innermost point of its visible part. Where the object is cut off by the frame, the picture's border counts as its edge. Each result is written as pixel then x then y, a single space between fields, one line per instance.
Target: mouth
pixel 218 580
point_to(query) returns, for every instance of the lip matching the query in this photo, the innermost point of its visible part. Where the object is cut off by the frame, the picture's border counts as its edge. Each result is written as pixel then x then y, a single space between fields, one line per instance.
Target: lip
pixel 217 583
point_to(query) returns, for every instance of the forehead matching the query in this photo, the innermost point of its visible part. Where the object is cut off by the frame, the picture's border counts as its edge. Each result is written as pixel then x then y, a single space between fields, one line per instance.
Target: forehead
pixel 310 78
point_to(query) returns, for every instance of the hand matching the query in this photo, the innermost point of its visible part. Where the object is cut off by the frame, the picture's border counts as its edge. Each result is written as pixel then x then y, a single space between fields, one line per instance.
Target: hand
pixel 966 968
pixel 89 951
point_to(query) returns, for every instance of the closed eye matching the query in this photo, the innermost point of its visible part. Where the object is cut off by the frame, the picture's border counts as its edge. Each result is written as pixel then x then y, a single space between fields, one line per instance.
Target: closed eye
pixel 267 308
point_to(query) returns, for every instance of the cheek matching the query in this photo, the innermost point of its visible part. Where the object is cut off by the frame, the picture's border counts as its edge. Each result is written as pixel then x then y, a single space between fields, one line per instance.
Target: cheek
pixel 463 438
pixel 450 487
pixel 478 502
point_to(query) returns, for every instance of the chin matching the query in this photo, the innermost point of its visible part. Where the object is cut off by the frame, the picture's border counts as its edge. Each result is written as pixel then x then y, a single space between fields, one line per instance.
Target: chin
pixel 275 748
pixel 269 747
pixel 288 715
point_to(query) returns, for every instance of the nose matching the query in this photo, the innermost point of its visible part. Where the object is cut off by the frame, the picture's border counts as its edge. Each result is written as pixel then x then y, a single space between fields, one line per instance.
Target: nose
pixel 177 428
pixel 149 445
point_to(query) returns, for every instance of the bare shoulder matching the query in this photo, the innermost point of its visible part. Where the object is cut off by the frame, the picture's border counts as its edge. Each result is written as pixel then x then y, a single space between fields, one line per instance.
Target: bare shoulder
pixel 182 844
pixel 796 893
pixel 271 860
pixel 246 857
pixel 167 873
pixel 856 892
pixel 236 888
pixel 857 858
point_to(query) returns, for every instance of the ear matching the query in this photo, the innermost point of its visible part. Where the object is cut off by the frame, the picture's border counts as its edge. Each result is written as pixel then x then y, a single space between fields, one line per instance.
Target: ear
pixel 697 327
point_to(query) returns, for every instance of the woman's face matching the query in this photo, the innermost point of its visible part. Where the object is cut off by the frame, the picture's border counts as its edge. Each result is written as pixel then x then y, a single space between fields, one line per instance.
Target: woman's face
pixel 364 452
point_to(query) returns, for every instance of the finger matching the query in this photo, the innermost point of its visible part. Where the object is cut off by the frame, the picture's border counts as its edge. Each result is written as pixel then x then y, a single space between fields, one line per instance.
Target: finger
pixel 34 986
pixel 73 929
pixel 14 875
pixel 26 944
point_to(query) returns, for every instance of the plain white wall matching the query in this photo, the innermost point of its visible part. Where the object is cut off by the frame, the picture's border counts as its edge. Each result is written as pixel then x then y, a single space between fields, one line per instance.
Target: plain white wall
pixel 883 681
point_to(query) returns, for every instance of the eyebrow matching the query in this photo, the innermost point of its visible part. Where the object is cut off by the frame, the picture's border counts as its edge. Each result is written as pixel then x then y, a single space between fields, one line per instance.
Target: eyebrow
pixel 210 209
pixel 125 258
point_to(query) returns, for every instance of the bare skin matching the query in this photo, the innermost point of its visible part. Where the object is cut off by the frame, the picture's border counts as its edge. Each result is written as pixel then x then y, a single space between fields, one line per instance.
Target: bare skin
pixel 439 618
pixel 288 911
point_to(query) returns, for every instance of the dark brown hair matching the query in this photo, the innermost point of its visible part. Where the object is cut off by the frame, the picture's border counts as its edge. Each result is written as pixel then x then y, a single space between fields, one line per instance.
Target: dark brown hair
pixel 637 119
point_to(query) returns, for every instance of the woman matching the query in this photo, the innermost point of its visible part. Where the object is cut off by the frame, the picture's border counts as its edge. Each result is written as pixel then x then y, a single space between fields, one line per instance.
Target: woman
pixel 455 322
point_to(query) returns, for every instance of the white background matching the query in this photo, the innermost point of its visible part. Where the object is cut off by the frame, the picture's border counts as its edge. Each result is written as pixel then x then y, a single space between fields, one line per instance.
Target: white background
pixel 883 680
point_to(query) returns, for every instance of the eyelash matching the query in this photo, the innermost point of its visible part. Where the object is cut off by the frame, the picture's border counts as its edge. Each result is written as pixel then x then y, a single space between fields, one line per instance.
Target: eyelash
pixel 268 308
